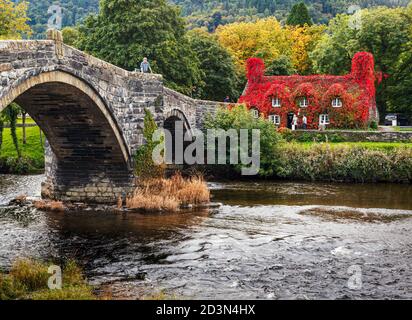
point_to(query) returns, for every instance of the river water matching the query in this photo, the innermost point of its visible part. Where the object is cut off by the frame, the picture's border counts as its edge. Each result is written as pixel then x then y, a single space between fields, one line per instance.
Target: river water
pixel 268 240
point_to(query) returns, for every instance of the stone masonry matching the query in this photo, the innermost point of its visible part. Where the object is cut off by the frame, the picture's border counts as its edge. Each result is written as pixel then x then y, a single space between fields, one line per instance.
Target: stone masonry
pixel 91 112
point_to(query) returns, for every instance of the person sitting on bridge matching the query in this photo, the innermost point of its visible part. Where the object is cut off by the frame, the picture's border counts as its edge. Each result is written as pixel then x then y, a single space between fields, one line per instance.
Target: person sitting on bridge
pixel 145 66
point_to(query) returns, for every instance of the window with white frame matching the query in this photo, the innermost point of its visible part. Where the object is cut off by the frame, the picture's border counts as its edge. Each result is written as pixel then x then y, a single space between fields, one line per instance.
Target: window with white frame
pixel 337 102
pixel 255 113
pixel 324 119
pixel 303 102
pixel 276 102
pixel 275 119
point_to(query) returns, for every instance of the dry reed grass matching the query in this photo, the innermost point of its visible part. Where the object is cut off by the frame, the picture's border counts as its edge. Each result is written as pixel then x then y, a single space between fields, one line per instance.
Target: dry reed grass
pixel 169 194
pixel 56 206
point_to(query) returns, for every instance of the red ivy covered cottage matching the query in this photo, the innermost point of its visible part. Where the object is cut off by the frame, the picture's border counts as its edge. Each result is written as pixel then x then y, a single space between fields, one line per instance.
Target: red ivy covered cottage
pixel 335 101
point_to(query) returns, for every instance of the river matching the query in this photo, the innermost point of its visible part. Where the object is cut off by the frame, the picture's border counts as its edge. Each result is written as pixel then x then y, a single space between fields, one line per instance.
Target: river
pixel 268 240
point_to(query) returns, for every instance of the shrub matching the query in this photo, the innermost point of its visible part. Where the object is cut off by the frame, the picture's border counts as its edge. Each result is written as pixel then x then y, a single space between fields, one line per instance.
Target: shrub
pixel 238 118
pixel 17 165
pixel 144 166
pixel 373 125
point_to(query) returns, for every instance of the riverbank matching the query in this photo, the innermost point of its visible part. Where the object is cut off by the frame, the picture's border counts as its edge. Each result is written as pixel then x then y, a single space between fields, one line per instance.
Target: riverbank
pixel 356 162
pixel 32 151
pixel 292 160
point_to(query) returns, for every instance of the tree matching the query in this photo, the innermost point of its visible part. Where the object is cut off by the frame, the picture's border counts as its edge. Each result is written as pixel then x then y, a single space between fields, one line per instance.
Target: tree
pixel 126 31
pixel 240 118
pixel 333 52
pixel 70 35
pixel 11 113
pixel 400 83
pixel 264 38
pixel 383 32
pixel 13 20
pixel 2 120
pixel 219 77
pixel 282 66
pixel 299 16
pixel 303 40
pixel 144 165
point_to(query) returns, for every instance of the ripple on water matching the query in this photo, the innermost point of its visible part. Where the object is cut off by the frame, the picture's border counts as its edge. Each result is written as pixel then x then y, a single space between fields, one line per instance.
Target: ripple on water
pixel 278 245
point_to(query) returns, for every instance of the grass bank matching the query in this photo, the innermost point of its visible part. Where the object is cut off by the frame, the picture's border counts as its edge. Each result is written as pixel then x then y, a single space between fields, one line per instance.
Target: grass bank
pixel 28 280
pixel 349 162
pixel 32 160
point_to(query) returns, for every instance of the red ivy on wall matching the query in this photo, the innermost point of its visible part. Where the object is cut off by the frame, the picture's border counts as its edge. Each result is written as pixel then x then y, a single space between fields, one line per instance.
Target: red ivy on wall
pixel 356 91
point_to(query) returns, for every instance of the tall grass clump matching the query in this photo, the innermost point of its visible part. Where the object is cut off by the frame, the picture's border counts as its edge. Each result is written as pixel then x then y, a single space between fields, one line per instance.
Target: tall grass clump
pixel 160 194
pixel 28 280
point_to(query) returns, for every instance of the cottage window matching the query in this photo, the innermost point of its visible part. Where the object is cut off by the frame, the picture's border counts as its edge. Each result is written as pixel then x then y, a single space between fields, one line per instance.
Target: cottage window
pixel 324 119
pixel 337 103
pixel 303 102
pixel 276 103
pixel 275 119
pixel 255 113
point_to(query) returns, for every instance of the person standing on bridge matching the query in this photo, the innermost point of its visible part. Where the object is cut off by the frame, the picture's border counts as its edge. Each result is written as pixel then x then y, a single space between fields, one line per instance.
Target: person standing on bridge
pixel 145 66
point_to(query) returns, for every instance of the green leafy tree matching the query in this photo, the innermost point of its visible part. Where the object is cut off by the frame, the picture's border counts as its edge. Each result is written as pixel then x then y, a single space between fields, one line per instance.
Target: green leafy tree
pixel 126 31
pixel 70 35
pixel 218 71
pixel 382 31
pixel 400 87
pixel 281 66
pixel 240 117
pixel 299 16
pixel 144 165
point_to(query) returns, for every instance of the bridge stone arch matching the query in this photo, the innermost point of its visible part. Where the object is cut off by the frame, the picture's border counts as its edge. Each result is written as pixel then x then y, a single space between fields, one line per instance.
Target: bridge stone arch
pixel 86 156
pixel 176 114
pixel 23 90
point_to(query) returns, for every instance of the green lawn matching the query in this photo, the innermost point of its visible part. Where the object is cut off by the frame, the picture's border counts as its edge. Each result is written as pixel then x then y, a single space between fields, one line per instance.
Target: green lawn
pixel 32 150
pixel 28 120
pixel 368 145
pixel 403 129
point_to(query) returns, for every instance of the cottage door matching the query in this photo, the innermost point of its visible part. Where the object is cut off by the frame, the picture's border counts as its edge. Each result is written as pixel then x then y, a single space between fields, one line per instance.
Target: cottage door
pixel 290 119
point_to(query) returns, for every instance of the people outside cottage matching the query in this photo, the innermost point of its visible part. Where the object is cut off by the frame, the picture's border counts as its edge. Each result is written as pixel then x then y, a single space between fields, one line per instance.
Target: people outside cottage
pixel 294 122
pixel 304 122
pixel 227 99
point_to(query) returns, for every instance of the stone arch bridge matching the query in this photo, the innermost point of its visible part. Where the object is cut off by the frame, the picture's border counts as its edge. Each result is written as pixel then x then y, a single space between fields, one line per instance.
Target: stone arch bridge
pixel 91 113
